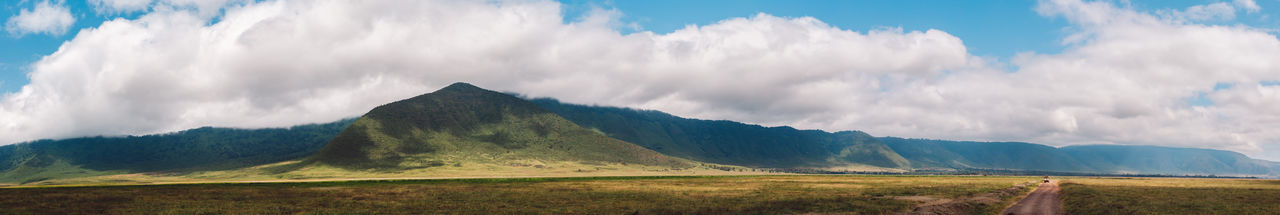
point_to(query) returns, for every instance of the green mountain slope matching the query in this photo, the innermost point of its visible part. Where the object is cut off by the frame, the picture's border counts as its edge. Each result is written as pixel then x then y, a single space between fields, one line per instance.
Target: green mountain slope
pixel 1131 159
pixel 463 125
pixel 191 150
pixel 728 142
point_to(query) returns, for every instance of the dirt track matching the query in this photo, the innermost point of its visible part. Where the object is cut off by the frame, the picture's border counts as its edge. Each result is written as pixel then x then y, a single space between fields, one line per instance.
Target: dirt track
pixel 1044 200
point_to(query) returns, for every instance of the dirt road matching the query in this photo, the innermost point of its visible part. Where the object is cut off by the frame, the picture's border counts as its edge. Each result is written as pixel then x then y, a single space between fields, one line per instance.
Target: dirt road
pixel 1044 200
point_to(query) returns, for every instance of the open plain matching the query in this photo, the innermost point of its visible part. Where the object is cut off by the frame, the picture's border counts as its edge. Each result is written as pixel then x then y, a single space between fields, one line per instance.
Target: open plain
pixel 1170 196
pixel 785 194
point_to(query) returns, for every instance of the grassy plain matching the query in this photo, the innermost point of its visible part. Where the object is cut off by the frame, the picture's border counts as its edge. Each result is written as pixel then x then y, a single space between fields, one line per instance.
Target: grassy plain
pixel 586 195
pixel 1170 196
pixel 293 171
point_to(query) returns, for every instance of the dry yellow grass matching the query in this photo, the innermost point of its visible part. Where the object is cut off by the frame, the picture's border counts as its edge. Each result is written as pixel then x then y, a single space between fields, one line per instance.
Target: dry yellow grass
pixel 313 173
pixel 1170 196
pixel 779 194
pixel 1179 182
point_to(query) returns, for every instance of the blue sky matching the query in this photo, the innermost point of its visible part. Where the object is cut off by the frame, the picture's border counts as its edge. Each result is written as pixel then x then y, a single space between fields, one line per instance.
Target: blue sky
pixel 989 28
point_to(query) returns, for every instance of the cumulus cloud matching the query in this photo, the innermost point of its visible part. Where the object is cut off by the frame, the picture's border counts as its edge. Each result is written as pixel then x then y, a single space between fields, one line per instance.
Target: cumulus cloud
pixel 44 18
pixel 1125 77
pixel 289 62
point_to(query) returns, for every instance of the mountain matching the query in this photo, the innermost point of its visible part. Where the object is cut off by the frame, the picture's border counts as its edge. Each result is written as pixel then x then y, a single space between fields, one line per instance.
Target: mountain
pixel 728 142
pixel 1124 159
pixel 463 125
pixel 463 130
pixel 198 149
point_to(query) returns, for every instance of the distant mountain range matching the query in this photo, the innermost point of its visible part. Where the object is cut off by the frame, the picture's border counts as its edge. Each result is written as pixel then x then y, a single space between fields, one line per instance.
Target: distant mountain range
pixel 463 127
pixel 1127 159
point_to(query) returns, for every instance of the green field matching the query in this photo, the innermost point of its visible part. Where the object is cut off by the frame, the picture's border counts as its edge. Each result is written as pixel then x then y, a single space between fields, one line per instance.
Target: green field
pixel 587 195
pixel 1170 196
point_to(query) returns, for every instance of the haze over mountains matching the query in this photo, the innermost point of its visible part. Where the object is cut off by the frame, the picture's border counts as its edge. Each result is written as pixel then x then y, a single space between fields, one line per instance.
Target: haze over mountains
pixel 463 129
pixel 1126 159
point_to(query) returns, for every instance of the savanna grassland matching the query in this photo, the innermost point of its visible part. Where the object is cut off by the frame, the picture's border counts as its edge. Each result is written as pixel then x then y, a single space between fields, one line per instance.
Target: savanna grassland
pixel 1170 196
pixel 586 195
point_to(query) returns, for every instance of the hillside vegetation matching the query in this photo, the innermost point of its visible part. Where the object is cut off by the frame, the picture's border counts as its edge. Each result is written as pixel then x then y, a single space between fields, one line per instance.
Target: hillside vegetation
pixel 728 142
pixel 200 149
pixel 463 125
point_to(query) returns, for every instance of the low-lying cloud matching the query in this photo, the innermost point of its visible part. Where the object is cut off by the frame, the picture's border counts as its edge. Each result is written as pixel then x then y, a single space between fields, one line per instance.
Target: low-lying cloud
pixel 1125 77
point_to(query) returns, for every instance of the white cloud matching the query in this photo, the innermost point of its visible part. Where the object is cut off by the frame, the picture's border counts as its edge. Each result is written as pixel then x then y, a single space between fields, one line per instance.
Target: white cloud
pixel 45 18
pixel 1220 10
pixel 1127 78
pixel 1124 78
pixel 203 8
pixel 1209 12
pixel 120 6
pixel 1247 5
pixel 283 63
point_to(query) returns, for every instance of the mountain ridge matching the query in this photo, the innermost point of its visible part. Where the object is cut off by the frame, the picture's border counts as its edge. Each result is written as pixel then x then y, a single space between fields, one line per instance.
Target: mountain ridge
pixel 204 148
pixel 465 130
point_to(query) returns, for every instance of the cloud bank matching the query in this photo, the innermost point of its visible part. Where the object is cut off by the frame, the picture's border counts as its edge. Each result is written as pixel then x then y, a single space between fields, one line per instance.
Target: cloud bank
pixel 1126 76
pixel 44 18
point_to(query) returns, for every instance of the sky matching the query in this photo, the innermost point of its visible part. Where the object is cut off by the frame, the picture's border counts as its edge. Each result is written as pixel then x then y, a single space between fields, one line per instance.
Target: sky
pixel 1191 73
